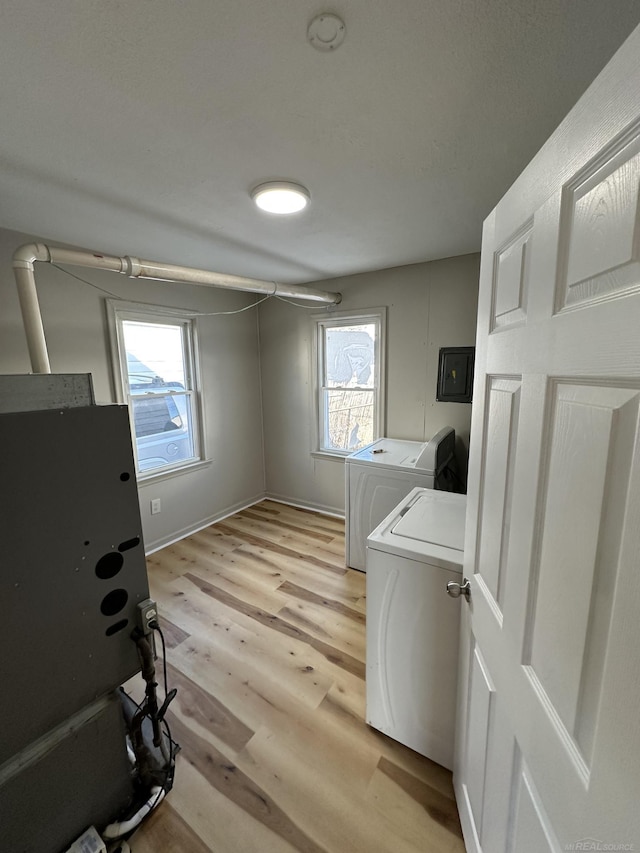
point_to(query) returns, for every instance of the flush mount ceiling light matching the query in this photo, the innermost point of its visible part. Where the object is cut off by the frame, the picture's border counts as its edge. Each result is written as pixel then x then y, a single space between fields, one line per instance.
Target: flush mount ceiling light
pixel 281 197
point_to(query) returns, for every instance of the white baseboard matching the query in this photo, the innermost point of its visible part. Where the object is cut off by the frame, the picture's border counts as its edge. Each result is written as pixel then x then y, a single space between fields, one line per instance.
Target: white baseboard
pixel 152 547
pixel 163 542
pixel 321 508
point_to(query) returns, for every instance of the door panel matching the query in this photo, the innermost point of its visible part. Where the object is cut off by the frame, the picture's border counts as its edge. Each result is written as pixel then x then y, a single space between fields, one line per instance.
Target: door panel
pixel 532 831
pixel 480 699
pixel 502 758
pixel 511 280
pixel 500 437
pixel 592 433
pixel 599 226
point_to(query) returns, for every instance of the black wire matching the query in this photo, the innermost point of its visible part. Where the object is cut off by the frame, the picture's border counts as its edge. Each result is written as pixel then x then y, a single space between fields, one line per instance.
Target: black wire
pixel 130 697
pixel 172 743
pixel 86 281
pixel 168 777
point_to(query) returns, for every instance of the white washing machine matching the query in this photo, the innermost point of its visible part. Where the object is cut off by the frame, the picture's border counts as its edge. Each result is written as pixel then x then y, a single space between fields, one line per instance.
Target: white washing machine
pixel 412 624
pixel 380 475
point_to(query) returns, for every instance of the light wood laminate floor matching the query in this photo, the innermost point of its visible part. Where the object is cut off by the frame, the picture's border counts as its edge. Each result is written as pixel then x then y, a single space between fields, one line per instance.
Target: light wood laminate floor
pixel 266 636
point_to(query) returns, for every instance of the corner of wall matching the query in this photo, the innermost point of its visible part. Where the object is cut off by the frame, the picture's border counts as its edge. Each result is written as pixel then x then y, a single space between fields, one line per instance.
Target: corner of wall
pixel 261 393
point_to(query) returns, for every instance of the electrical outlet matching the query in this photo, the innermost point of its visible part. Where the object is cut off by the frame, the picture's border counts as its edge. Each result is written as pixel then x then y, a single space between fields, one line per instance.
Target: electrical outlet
pixel 156 506
pixel 147 613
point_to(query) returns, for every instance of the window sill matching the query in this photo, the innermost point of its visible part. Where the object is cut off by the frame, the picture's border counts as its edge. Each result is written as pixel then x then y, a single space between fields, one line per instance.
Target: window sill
pixel 154 477
pixel 326 454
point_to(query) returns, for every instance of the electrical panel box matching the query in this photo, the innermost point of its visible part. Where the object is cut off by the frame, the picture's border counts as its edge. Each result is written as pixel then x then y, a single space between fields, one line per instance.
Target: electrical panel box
pixel 455 374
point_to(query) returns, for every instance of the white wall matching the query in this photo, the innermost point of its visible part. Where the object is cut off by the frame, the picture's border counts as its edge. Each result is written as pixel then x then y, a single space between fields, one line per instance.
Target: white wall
pixel 429 306
pixel 76 330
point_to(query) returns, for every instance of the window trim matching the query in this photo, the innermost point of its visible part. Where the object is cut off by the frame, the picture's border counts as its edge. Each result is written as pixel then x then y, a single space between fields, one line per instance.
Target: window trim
pixel 118 310
pixel 347 318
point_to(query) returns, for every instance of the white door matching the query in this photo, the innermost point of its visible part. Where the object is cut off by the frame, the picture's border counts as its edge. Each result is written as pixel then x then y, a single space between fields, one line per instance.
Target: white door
pixel 548 739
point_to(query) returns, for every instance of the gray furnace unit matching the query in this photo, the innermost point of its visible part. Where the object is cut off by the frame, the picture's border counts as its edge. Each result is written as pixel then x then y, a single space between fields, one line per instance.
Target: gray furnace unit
pixel 72 571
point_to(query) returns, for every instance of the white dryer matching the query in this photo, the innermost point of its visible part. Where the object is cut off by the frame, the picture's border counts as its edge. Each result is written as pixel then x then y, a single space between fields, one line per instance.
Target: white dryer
pixel 412 624
pixel 380 475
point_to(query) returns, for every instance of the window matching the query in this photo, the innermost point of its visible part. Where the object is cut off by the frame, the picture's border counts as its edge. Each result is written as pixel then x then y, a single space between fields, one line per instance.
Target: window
pixel 350 355
pixel 156 360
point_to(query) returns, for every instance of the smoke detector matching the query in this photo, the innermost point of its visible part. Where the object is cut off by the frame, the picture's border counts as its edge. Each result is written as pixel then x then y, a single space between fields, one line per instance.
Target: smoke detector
pixel 326 32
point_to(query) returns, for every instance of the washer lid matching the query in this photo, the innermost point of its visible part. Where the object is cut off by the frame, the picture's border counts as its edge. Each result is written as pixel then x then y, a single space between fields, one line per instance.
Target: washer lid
pixel 427 526
pixel 434 518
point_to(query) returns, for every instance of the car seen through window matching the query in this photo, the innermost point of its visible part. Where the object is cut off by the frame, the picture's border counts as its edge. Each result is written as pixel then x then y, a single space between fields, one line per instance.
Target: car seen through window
pixel 160 417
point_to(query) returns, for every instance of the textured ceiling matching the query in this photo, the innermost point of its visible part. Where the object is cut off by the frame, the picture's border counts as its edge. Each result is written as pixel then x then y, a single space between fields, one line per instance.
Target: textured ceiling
pixel 139 126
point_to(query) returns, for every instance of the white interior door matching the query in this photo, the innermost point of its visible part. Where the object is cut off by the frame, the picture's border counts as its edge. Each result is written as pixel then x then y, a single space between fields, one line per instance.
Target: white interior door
pixel 548 737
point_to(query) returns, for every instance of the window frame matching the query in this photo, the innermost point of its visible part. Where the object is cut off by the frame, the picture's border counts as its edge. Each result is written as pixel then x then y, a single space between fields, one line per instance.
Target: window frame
pixel 347 318
pixel 119 311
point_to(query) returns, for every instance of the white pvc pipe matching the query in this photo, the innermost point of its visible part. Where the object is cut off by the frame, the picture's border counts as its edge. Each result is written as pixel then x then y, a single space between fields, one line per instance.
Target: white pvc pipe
pixel 190 275
pixel 25 257
pixel 32 320
pixel 82 258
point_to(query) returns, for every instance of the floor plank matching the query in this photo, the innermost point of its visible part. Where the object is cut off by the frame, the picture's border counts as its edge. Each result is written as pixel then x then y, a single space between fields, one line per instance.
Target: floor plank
pixel 166 830
pixel 265 632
